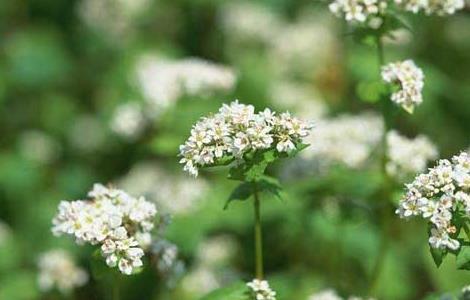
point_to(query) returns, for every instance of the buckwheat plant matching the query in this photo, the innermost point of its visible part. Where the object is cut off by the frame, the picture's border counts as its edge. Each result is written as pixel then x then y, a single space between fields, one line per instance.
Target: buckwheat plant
pixel 360 11
pixel 408 79
pixel 111 219
pixel 442 197
pixel 247 142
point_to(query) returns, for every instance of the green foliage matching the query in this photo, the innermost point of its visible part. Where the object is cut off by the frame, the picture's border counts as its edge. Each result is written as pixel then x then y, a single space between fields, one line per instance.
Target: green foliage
pixel 463 258
pixel 438 255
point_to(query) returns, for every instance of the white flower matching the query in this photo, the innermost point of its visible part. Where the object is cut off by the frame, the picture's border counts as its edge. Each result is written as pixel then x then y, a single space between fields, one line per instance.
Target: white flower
pixel 358 10
pixel 408 156
pixel 346 139
pixel 243 131
pixel 325 295
pixel 128 120
pixel 437 196
pixel 57 269
pixel 112 219
pixel 438 7
pixel 260 290
pixel 410 80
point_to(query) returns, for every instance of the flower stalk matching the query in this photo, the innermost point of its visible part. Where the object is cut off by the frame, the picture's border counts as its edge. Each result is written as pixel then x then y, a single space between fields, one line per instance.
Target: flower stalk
pixel 258 236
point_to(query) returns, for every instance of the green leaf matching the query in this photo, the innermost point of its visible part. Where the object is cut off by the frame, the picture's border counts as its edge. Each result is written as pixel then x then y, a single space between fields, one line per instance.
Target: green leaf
pixel 463 258
pixel 271 185
pixel 237 291
pixel 438 255
pixel 253 167
pixel 99 269
pixel 241 193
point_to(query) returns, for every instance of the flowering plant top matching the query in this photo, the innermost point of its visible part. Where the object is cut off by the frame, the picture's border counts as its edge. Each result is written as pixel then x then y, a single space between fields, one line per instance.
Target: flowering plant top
pixel 238 135
pixel 113 219
pixel 442 197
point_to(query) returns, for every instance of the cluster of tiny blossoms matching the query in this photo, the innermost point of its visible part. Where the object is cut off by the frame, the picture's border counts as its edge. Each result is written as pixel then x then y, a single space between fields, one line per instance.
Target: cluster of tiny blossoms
pixel 111 218
pixel 332 295
pixel 57 269
pixel 261 290
pixel 438 7
pixel 408 156
pixel 236 130
pixel 439 195
pixel 410 80
pixel 359 10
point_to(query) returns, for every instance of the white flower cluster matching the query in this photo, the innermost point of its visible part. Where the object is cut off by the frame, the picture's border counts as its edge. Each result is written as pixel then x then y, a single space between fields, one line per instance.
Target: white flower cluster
pixel 408 156
pixel 164 81
pixel 150 179
pixel 332 295
pixel 247 20
pixel 57 269
pixel 346 139
pixel 409 78
pixel 118 222
pixel 128 120
pixel 359 10
pixel 438 195
pixel 235 130
pixel 115 18
pixel 438 7
pixel 261 290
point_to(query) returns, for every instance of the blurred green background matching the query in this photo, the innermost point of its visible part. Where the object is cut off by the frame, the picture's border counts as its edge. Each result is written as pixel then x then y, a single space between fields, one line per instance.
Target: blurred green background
pixel 66 67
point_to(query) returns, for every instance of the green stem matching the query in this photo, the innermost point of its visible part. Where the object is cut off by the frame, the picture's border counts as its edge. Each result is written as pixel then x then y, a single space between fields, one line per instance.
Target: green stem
pixel 467 231
pixel 258 237
pixel 386 191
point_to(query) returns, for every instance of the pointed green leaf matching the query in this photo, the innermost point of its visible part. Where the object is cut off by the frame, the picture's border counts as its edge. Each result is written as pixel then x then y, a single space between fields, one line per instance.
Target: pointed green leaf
pixel 463 258
pixel 241 193
pixel 438 255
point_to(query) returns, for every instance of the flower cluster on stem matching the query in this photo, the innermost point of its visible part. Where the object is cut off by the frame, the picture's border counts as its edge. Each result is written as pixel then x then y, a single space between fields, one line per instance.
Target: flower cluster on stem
pixel 442 197
pixel 261 290
pixel 359 11
pixel 113 219
pixel 236 130
pixel 430 7
pixel 410 81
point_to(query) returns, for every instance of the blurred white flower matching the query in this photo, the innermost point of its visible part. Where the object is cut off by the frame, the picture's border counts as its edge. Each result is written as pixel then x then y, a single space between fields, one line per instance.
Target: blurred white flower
pixel 325 295
pixel 200 281
pixel 173 194
pixel 114 18
pixel 162 81
pixel 249 21
pixel 95 133
pixel 217 250
pixel 408 156
pixel 235 130
pixel 359 11
pixel 410 80
pixel 261 290
pixel 438 195
pixel 301 48
pixel 38 146
pixel 437 7
pixel 128 120
pixel 301 99
pixel 346 139
pixel 58 270
pixel 112 219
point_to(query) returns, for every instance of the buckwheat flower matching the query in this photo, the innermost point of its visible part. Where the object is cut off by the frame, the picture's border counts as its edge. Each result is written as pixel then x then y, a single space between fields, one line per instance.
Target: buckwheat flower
pixel 249 21
pixel 163 81
pixel 346 139
pixel 261 290
pixel 237 130
pixel 437 7
pixel 438 196
pixel 112 219
pixel 410 81
pixel 168 263
pixel 58 270
pixel 128 120
pixel 217 251
pixel 325 295
pixel 408 156
pixel 359 11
